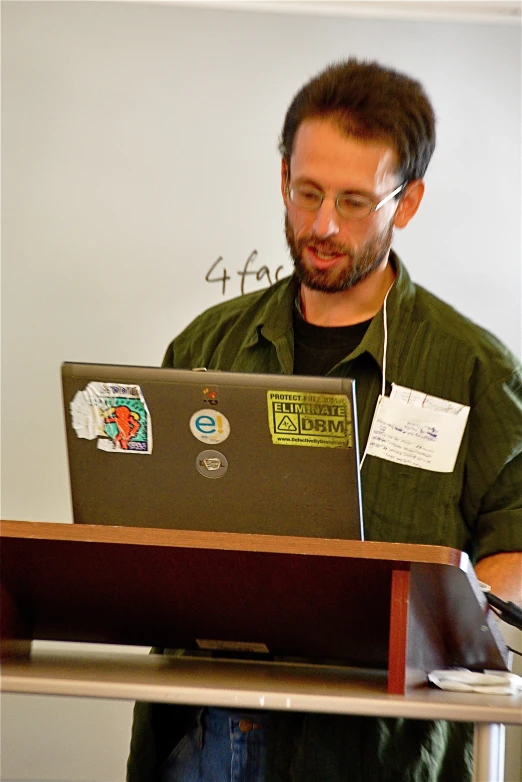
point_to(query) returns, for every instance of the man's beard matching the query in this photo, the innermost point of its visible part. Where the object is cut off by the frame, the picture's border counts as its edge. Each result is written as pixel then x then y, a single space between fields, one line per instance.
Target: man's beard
pixel 360 264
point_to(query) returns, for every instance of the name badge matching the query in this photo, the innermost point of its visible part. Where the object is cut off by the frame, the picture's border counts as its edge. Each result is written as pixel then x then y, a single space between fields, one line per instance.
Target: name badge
pixel 415 429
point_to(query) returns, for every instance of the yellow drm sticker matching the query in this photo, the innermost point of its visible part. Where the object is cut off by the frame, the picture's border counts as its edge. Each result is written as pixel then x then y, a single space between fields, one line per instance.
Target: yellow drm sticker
pixel 316 420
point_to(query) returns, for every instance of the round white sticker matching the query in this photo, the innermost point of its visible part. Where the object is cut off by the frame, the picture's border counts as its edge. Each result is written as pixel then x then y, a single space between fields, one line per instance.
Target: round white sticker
pixel 209 426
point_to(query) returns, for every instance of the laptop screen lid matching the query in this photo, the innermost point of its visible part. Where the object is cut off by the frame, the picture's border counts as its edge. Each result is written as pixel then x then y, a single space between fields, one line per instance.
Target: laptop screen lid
pixel 216 451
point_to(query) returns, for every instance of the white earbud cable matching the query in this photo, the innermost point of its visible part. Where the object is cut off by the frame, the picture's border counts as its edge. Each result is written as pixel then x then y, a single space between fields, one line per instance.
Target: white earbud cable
pixel 385 350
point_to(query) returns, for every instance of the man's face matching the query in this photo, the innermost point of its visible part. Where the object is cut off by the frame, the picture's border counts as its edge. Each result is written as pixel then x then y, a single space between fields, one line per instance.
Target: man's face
pixel 332 253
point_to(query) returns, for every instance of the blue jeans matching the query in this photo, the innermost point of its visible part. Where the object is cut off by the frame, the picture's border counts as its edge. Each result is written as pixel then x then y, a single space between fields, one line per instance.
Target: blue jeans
pixel 225 746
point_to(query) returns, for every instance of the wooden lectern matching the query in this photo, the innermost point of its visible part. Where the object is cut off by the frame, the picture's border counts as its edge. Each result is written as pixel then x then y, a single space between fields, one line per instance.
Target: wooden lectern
pixel 397 610
pixel 408 609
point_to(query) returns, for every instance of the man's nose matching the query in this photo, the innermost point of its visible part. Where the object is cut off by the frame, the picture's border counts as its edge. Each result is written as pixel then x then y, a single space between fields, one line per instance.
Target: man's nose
pixel 326 221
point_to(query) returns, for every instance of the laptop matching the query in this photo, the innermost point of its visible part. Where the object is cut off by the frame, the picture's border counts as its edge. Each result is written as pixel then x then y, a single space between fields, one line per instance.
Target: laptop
pixel 216 451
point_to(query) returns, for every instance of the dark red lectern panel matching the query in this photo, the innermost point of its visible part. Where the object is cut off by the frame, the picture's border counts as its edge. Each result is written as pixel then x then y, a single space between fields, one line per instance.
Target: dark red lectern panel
pixel 406 608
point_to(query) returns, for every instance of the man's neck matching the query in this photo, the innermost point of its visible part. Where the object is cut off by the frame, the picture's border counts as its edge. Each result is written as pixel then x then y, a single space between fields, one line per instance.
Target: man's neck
pixel 354 305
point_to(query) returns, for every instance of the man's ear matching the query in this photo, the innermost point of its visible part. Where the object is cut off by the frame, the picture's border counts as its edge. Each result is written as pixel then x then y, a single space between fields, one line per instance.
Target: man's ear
pixel 285 174
pixel 409 203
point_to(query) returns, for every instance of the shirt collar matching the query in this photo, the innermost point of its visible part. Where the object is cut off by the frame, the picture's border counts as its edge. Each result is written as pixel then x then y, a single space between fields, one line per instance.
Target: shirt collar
pixel 275 318
pixel 399 308
pixel 274 321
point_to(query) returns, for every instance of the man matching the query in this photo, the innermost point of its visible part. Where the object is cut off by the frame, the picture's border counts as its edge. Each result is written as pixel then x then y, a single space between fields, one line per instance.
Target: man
pixel 355 145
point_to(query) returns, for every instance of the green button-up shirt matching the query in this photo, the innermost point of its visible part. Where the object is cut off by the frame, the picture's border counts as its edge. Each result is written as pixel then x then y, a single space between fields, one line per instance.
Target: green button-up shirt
pixel 477 507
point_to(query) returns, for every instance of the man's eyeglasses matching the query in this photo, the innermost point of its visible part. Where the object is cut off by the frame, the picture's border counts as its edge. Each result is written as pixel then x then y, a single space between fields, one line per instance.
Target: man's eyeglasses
pixel 349 205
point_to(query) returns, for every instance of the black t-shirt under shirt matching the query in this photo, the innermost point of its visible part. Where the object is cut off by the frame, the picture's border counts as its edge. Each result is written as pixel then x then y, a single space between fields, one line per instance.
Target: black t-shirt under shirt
pixel 317 349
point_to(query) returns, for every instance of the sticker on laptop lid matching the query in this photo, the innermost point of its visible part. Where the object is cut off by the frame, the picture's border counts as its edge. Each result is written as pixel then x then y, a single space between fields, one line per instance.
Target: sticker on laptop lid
pixel 209 426
pixel 316 420
pixel 116 414
pixel 211 464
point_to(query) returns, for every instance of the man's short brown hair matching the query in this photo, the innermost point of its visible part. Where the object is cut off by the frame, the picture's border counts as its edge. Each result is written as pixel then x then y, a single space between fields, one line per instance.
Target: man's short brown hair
pixel 368 101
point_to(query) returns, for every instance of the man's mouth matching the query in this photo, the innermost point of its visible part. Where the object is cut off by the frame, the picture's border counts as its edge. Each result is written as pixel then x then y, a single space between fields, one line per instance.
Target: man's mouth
pixel 326 256
pixel 323 258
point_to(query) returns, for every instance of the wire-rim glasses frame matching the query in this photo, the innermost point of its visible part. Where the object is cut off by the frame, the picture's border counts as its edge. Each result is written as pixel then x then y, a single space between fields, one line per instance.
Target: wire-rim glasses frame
pixel 351 206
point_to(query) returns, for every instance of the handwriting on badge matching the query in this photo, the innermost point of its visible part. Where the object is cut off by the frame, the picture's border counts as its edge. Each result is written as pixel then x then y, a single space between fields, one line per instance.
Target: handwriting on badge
pixel 394 443
pixel 219 273
pixel 401 452
pixel 410 428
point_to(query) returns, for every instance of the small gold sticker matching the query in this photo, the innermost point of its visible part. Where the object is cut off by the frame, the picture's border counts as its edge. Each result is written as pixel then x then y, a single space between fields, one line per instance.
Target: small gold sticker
pixel 315 420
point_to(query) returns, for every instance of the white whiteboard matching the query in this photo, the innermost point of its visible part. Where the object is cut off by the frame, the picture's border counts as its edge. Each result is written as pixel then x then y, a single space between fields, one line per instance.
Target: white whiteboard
pixel 140 145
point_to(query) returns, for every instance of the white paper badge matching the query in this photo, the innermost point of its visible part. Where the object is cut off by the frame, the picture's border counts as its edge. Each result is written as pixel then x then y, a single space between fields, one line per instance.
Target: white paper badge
pixel 209 426
pixel 425 437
